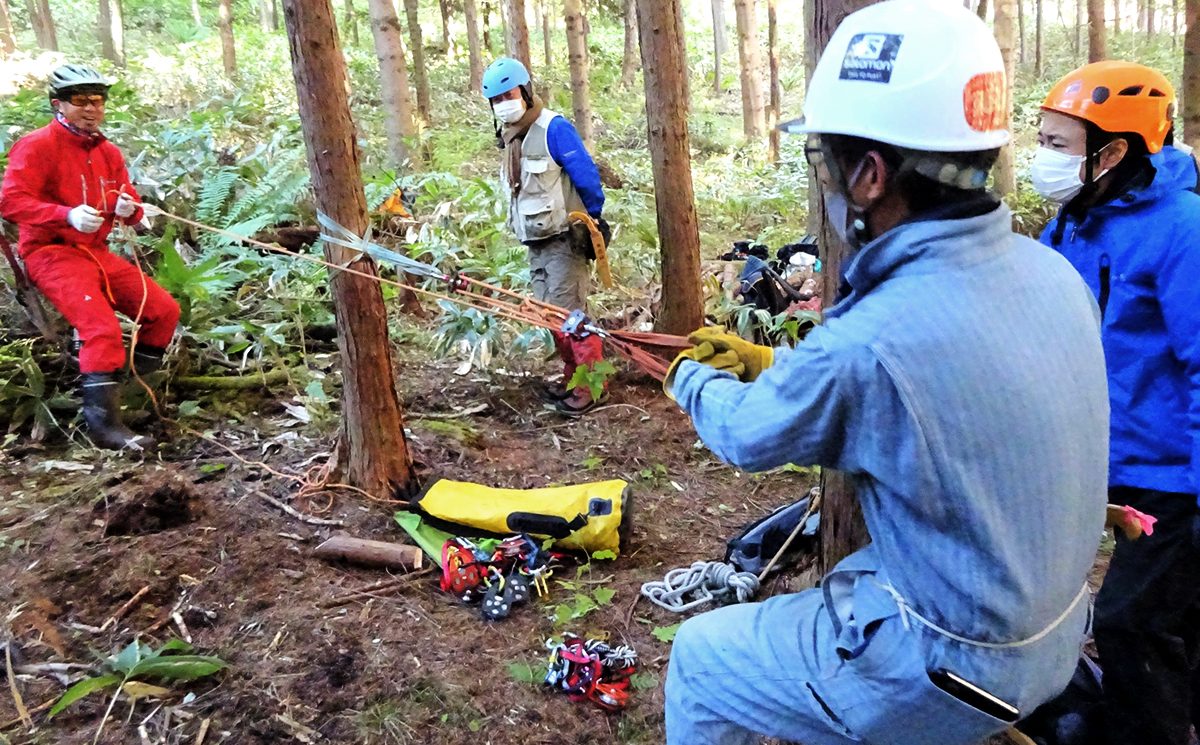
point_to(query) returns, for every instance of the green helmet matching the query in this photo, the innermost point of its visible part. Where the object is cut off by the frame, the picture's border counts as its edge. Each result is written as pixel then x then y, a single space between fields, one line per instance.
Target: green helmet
pixel 76 79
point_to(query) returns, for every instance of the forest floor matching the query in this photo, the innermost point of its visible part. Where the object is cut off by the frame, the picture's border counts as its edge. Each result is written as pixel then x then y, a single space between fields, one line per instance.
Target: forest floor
pixel 82 532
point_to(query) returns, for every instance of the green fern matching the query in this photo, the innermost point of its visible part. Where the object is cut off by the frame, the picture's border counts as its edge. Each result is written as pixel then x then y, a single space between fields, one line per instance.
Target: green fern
pixel 214 194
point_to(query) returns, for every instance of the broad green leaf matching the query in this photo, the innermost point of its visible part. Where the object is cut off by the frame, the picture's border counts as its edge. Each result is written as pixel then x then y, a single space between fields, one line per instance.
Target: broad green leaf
pixel 665 634
pixel 177 645
pixel 603 595
pixel 523 672
pixel 178 667
pixel 83 688
pixel 127 658
pixel 604 555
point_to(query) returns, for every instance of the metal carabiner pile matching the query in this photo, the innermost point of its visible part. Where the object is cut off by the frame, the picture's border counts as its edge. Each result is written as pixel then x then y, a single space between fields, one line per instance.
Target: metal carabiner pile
pixel 591 670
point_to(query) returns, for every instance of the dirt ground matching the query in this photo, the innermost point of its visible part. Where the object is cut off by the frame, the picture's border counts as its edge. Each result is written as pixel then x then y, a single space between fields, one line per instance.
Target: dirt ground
pixel 407 666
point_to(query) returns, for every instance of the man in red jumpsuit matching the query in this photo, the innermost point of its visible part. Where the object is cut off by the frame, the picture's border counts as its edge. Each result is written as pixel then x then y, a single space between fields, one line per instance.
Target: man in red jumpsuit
pixel 65 188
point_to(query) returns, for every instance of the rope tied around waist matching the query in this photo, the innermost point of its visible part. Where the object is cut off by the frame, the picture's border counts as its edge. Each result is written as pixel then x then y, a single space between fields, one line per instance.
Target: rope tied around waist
pixel 703 582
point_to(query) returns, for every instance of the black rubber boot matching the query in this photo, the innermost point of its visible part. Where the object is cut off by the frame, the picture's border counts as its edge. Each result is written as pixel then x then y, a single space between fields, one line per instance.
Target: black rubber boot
pixel 102 413
pixel 147 359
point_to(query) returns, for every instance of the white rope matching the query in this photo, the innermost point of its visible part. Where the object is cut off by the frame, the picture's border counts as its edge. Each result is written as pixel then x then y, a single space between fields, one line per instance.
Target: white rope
pixel 703 582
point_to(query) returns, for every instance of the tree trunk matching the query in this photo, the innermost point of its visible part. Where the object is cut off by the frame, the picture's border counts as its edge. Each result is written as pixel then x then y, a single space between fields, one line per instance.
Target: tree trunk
pixel 1116 17
pixel 110 28
pixel 487 26
pixel 8 43
pixel 1097 47
pixel 775 109
pixel 351 22
pixel 196 14
pixel 393 79
pixel 577 55
pixel 1077 39
pixel 1140 22
pixel 444 8
pixel 1191 73
pixel 1037 37
pixel 43 24
pixel 754 123
pixel 629 63
pixel 720 43
pixel 665 75
pixel 469 15
pixel 516 37
pixel 547 24
pixel 982 9
pixel 418 55
pixel 1005 29
pixel 371 453
pixel 842 528
pixel 1021 30
pixel 225 23
pixel 1174 24
pixel 1150 22
pixel 266 9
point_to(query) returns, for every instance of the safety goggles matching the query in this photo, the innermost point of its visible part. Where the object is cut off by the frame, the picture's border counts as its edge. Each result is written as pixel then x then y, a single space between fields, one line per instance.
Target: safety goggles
pixel 83 100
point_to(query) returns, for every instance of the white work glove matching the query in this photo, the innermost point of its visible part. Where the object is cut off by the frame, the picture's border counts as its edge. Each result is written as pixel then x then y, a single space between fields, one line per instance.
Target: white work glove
pixel 126 206
pixel 85 219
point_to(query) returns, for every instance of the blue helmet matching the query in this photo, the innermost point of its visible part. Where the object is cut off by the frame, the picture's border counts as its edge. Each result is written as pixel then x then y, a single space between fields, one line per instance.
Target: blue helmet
pixel 502 76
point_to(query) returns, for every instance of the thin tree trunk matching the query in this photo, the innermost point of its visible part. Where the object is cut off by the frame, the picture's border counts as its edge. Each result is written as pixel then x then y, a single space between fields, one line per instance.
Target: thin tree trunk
pixel 1077 39
pixel 228 53
pixel 1191 74
pixel 754 123
pixel 665 75
pixel 629 63
pixel 8 43
pixel 444 8
pixel 775 109
pixel 982 9
pixel 1174 24
pixel 1097 44
pixel 472 21
pixel 1005 27
pixel 1140 21
pixel 372 453
pixel 1151 26
pixel 487 26
pixel 1021 29
pixel 547 23
pixel 1116 17
pixel 43 24
pixel 516 39
pixel 1037 37
pixel 417 44
pixel 393 79
pixel 265 21
pixel 843 530
pixel 720 43
pixel 577 55
pixel 196 14
pixel 351 22
pixel 110 28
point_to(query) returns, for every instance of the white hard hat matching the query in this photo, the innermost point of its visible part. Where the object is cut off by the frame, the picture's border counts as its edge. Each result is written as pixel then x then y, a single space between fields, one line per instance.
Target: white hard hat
pixel 919 74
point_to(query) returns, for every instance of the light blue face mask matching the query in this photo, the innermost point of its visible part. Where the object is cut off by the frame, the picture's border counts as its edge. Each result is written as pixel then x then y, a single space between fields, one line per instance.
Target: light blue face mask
pixel 837 210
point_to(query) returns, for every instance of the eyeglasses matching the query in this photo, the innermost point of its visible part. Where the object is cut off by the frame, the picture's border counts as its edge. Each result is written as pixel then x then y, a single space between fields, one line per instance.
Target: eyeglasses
pixel 80 100
pixel 813 153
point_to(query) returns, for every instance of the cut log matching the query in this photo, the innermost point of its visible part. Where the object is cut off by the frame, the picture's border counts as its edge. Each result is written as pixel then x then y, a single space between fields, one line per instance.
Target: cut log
pixel 370 553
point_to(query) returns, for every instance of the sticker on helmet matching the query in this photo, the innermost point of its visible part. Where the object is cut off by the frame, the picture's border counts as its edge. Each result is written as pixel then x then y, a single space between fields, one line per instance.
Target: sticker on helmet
pixel 871 57
pixel 985 102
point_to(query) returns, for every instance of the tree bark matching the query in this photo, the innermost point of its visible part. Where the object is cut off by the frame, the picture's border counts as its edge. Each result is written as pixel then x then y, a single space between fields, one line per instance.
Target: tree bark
pixel 110 28
pixel 629 63
pixel 1150 22
pixel 547 23
pixel 982 9
pixel 1077 38
pixel 266 16
pixel 370 553
pixel 842 528
pixel 1021 30
pixel 665 75
pixel 444 8
pixel 196 14
pixel 720 43
pixel 1191 73
pixel 487 25
pixel 1037 37
pixel 417 44
pixel 1005 29
pixel 1097 46
pixel 8 43
pixel 372 453
pixel 225 24
pixel 351 22
pixel 393 79
pixel 1116 17
pixel 472 20
pixel 754 123
pixel 1174 24
pixel 516 35
pixel 775 109
pixel 577 55
pixel 43 24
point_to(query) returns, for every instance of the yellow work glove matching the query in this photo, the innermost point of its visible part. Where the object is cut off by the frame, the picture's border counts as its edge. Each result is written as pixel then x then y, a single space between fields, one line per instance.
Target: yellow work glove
pixel 754 357
pixel 705 355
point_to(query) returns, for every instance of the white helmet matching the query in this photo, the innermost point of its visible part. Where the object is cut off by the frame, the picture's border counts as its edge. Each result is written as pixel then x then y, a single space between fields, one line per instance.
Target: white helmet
pixel 922 75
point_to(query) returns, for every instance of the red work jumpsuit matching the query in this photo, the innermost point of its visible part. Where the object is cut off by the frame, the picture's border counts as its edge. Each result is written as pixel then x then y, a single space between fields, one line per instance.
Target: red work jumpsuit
pixel 50 171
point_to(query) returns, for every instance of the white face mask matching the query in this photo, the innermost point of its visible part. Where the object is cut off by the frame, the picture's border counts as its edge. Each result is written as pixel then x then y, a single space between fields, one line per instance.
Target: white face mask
pixel 1056 175
pixel 510 111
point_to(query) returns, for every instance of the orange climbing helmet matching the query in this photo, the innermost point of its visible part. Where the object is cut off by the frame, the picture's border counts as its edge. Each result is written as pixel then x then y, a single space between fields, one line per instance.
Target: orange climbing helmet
pixel 1118 97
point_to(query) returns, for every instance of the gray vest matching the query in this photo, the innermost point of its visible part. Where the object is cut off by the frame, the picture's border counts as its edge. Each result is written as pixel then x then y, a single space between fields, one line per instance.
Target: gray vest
pixel 547 196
